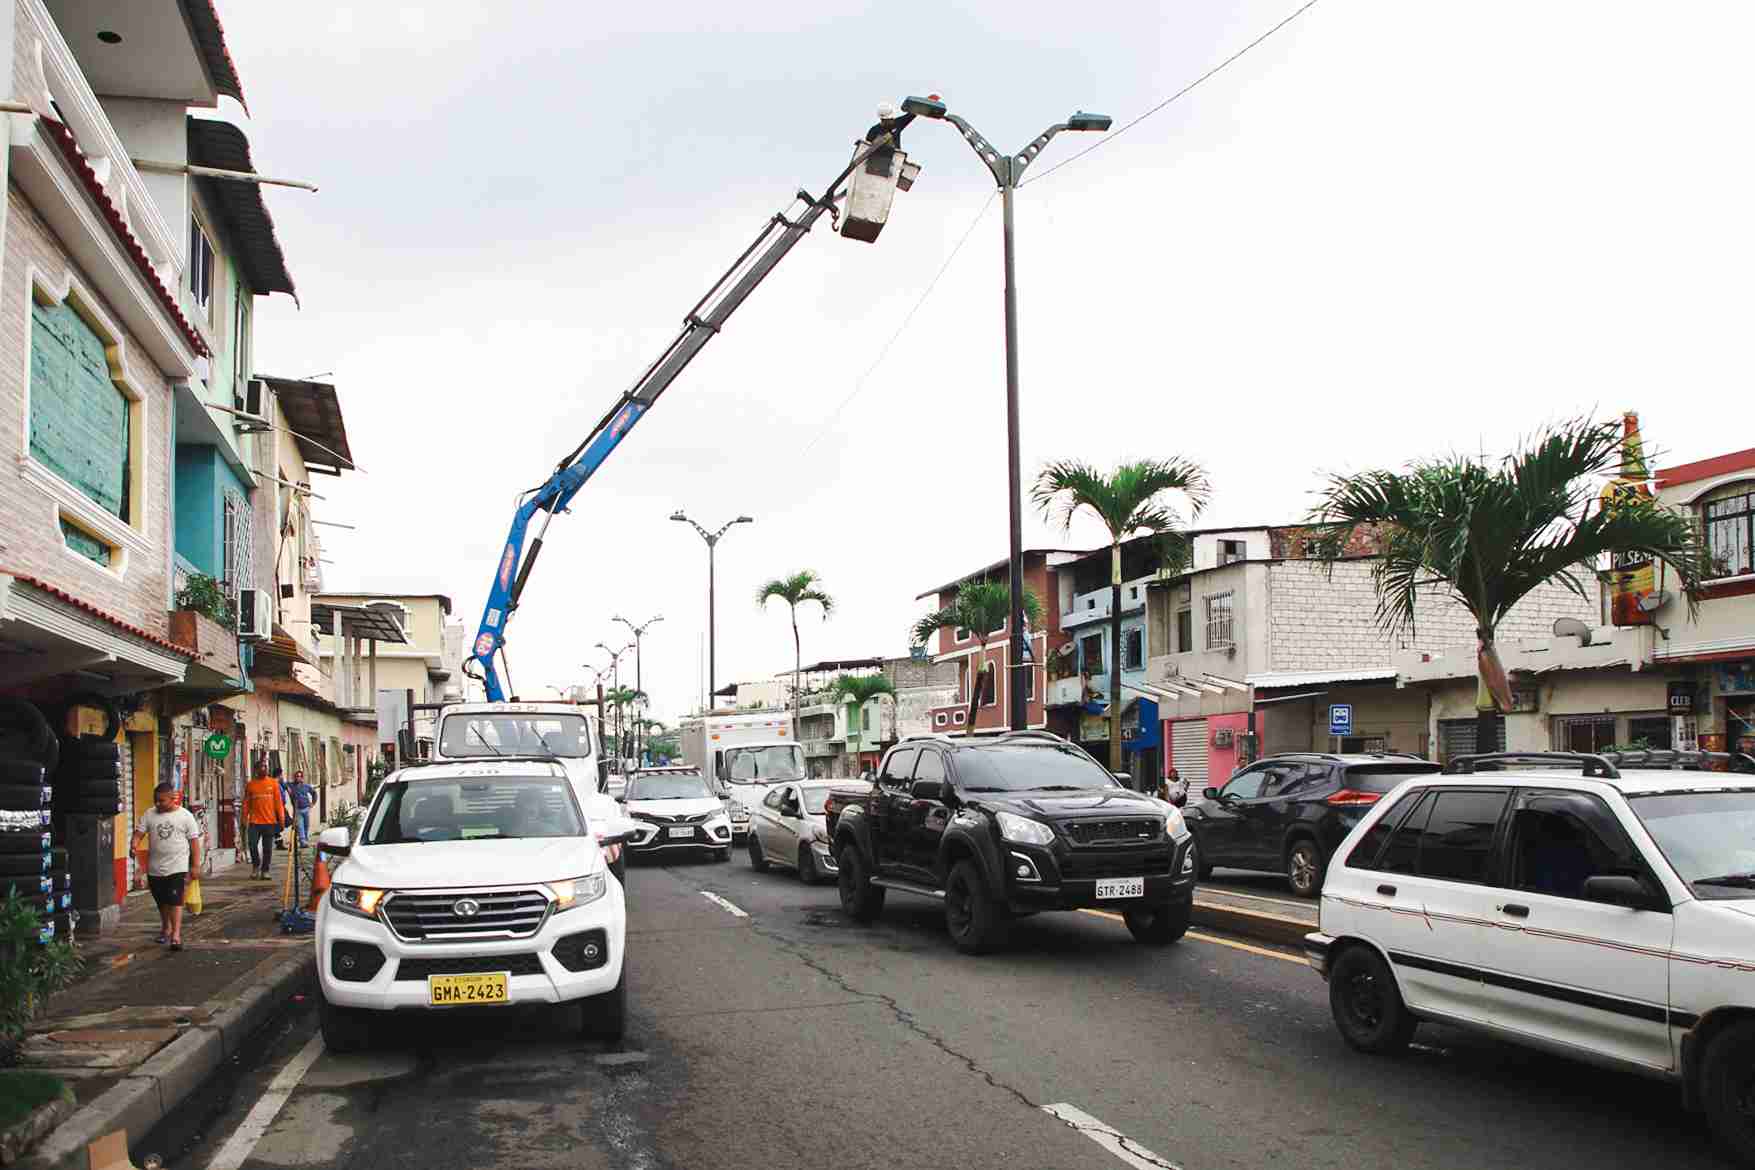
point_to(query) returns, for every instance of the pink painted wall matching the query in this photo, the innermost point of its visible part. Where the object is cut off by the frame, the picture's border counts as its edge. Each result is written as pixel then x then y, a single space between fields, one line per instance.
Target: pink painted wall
pixel 1222 761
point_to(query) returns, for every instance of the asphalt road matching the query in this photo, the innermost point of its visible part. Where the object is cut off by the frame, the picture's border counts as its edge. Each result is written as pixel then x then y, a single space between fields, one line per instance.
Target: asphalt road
pixel 793 1038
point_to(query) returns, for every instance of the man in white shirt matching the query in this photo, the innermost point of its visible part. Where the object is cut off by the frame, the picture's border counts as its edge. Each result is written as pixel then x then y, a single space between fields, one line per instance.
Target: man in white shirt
pixel 171 838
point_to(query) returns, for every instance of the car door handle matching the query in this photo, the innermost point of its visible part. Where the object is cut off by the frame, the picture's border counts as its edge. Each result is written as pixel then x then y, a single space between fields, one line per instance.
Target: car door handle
pixel 1386 891
pixel 1516 911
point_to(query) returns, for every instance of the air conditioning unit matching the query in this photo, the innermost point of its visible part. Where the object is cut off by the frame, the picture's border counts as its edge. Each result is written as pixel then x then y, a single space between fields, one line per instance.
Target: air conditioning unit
pixel 256 404
pixel 1224 737
pixel 255 615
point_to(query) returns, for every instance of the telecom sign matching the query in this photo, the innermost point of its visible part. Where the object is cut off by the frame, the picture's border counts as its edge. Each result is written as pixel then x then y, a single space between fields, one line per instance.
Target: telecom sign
pixel 1340 718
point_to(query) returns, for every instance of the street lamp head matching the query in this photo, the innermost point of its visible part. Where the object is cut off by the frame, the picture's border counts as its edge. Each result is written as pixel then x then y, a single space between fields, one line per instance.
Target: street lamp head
pixel 1083 121
pixel 744 520
pixel 677 515
pixel 930 106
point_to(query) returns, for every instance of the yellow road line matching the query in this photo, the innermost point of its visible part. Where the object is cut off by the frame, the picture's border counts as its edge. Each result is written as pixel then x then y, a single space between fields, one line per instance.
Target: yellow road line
pixel 1213 938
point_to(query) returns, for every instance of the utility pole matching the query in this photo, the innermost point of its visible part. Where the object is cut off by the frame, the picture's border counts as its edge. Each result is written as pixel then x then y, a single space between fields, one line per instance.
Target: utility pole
pixel 1008 172
pixel 639 683
pixel 712 539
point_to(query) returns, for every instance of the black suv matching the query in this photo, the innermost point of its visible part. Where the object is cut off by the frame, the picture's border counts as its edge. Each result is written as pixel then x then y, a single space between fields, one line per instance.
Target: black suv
pixel 1290 812
pixel 1003 825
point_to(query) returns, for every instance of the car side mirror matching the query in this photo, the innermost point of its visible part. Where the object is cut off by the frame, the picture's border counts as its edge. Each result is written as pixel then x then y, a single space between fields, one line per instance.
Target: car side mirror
pixel 1209 793
pixel 337 841
pixel 1621 890
pixel 928 790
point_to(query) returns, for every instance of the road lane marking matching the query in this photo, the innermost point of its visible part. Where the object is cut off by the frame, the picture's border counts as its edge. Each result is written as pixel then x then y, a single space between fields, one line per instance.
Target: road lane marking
pixel 1111 1139
pixel 256 1123
pixel 723 904
pixel 1213 938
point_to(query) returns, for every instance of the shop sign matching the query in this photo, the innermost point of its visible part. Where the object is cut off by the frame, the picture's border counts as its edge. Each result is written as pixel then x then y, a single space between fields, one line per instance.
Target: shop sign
pixel 1736 678
pixel 1093 727
pixel 217 746
pixel 1681 697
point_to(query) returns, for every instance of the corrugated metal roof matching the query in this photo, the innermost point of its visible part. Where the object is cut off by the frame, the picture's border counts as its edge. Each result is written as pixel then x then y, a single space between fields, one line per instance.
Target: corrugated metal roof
pixel 314 413
pixel 248 226
pixel 1304 678
pixel 215 57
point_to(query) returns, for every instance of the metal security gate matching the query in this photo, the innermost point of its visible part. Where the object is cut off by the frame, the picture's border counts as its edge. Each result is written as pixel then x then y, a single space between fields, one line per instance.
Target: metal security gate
pixel 1456 737
pixel 1188 752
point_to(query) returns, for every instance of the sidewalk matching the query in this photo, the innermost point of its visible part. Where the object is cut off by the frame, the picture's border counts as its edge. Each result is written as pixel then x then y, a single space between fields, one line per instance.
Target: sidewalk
pixel 145 1026
pixel 1282 921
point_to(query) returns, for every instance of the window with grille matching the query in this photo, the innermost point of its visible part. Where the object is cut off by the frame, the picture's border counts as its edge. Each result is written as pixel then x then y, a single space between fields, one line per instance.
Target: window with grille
pixel 1232 551
pixel 1134 643
pixel 1584 733
pixel 240 544
pixel 1221 634
pixel 1730 533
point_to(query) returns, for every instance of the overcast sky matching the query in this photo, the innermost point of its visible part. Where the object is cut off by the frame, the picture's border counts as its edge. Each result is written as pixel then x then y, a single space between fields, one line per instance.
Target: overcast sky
pixel 1392 230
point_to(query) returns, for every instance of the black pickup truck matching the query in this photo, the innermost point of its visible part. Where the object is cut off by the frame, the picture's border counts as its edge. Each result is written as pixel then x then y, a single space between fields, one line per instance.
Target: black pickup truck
pixel 1000 826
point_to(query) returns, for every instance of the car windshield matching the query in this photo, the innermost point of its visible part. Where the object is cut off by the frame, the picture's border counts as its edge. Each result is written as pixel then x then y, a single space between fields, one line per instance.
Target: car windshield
pixel 814 798
pixel 498 733
pixel 766 765
pixel 473 808
pixel 1709 837
pixel 667 786
pixel 1014 768
pixel 1384 777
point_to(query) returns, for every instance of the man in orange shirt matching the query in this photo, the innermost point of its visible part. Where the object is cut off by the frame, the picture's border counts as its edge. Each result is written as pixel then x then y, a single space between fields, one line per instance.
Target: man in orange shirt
pixel 264 816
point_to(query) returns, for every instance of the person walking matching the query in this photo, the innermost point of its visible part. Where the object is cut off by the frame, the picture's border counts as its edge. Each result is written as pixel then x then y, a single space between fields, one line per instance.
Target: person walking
pixel 302 796
pixel 264 816
pixel 171 839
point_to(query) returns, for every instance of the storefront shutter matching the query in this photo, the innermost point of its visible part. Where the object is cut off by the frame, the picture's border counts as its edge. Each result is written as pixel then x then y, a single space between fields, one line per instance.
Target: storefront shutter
pixel 1188 752
pixel 1456 737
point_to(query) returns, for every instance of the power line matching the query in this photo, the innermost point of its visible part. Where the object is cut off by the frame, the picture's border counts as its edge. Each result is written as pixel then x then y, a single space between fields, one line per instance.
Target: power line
pixel 859 383
pixel 1189 88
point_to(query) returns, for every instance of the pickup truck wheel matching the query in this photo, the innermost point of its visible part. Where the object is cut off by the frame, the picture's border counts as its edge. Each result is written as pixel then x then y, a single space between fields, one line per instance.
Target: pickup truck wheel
pixel 1159 925
pixel 605 1017
pixel 860 900
pixel 976 921
pixel 344 1029
pixel 1367 1006
pixel 758 861
pixel 1728 1090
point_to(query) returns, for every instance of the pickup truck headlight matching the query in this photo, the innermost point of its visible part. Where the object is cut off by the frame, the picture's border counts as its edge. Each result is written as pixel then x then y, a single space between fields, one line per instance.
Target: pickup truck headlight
pixel 1024 830
pixel 358 900
pixel 579 891
pixel 1173 823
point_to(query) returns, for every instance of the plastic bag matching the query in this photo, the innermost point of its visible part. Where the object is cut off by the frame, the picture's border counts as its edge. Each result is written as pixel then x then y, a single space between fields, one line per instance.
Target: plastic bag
pixel 192 896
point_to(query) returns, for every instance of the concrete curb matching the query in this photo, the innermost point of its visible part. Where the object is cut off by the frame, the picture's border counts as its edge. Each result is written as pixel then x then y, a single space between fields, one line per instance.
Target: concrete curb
pixel 161 1085
pixel 1255 924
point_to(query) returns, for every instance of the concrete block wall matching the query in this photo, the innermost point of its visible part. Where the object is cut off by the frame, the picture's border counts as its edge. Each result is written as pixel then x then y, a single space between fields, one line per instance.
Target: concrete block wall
pixel 1323 621
pixel 30 534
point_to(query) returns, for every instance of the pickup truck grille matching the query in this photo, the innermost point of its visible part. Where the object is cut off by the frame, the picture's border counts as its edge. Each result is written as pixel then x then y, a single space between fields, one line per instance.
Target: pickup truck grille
pixel 1131 831
pixel 434 917
pixel 414 970
pixel 1107 864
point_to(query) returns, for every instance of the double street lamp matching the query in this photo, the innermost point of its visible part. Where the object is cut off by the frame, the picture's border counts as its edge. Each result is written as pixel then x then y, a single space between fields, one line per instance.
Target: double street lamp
pixel 1008 172
pixel 712 539
pixel 615 667
pixel 639 678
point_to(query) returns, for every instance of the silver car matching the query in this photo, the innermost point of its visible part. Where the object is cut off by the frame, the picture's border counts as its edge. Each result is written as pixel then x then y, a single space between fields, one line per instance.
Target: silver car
pixel 787 828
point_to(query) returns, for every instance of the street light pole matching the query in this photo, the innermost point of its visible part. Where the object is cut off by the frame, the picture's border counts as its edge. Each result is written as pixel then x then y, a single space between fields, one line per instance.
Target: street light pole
pixel 712 539
pixel 639 676
pixel 1008 172
pixel 615 666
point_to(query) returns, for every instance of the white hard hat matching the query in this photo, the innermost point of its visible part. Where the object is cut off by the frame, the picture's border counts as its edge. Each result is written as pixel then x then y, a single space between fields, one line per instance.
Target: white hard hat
pixel 886 110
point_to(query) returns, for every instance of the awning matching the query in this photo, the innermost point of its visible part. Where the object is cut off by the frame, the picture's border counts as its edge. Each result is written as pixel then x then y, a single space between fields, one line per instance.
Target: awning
pixel 1304 678
pixel 1151 729
pixel 370 623
pixel 49 637
pixel 249 227
pixel 314 413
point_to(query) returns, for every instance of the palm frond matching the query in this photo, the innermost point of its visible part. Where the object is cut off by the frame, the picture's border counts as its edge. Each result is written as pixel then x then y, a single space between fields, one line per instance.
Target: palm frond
pixel 800 587
pixel 1127 500
pixel 859 689
pixel 980 606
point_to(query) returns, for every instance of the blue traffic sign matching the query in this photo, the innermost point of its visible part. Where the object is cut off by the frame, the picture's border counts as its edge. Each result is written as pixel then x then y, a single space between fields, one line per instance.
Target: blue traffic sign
pixel 1340 718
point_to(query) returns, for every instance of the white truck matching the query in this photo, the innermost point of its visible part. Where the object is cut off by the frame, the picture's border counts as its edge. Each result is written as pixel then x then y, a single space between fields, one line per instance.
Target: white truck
pixel 746 750
pixel 559 731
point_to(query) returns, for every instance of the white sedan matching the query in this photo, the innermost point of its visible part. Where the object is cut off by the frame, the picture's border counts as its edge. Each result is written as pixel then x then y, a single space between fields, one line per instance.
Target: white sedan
pixel 788 828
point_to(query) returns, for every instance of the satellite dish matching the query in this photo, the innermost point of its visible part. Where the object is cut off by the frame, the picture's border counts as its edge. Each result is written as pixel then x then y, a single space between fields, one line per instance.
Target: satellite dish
pixel 1572 628
pixel 1652 602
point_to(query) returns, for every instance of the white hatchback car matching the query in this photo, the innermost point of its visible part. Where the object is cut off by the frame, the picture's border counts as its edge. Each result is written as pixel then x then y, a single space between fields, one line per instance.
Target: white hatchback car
pixel 471 884
pixel 1601 907
pixel 789 828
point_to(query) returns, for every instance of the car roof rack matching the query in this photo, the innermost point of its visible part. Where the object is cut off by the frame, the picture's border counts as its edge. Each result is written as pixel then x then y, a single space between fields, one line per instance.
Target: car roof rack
pixel 1671 760
pixel 1591 765
pixel 1384 755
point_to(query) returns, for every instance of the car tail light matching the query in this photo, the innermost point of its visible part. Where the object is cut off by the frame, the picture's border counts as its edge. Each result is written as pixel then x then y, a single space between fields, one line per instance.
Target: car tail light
pixel 1353 798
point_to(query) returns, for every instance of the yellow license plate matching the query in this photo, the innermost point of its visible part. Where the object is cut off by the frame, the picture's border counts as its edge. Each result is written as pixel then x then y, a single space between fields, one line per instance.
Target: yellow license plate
pixel 463 990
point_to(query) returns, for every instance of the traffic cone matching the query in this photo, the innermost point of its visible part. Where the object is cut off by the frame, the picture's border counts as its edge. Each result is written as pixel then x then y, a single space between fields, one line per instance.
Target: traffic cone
pixel 319 883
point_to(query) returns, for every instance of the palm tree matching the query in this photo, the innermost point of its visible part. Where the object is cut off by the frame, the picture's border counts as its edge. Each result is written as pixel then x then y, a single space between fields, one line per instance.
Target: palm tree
pixel 979 607
pixel 620 698
pixel 1129 499
pixel 795 590
pixel 1490 535
pixel 856 691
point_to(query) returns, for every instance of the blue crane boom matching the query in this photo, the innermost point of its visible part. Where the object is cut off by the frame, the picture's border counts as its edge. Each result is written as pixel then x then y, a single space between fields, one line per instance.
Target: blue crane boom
pixel 702 323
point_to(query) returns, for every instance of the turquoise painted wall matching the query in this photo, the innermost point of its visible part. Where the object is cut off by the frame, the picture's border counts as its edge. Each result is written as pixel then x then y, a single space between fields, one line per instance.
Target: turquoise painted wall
pixel 203 476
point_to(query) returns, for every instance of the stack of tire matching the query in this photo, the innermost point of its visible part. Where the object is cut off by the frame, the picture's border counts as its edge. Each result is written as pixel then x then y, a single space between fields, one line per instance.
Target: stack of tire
pixel 29 864
pixel 88 782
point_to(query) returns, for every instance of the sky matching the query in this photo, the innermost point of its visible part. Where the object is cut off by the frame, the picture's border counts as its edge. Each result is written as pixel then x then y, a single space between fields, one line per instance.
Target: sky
pixel 1389 231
